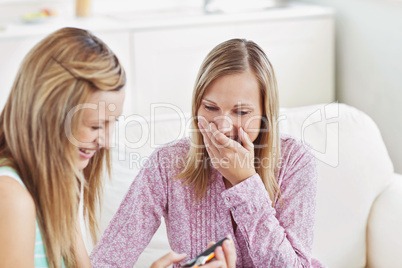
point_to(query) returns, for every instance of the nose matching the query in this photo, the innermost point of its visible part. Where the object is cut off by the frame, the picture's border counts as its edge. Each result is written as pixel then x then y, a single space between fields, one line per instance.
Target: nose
pixel 224 124
pixel 103 140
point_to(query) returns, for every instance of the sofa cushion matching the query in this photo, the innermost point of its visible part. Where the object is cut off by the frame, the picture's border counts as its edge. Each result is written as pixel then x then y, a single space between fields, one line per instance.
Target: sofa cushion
pixel 353 167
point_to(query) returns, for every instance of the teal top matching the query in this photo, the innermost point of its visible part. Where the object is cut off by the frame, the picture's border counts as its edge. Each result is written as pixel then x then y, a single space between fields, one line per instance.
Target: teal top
pixel 40 253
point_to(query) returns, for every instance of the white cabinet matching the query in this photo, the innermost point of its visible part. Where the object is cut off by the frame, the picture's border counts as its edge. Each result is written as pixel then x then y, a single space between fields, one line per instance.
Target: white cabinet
pixel 302 53
pixel 162 57
pixel 166 62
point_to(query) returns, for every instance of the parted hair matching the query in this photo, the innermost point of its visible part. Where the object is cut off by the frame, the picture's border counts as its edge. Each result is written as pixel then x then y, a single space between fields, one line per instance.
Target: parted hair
pixel 232 57
pixel 58 74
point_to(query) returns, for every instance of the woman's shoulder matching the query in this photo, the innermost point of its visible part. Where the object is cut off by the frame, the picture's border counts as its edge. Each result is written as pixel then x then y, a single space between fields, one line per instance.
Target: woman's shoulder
pixel 169 156
pixel 179 147
pixel 16 202
pixel 296 156
pixel 17 223
pixel 13 191
pixel 14 194
pixel 292 147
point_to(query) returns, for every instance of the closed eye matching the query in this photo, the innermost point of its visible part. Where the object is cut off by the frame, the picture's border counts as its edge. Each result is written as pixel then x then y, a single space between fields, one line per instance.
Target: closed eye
pixel 96 127
pixel 241 112
pixel 210 108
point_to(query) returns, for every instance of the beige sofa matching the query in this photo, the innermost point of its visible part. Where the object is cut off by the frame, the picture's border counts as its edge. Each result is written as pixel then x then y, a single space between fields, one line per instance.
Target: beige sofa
pixel 359 200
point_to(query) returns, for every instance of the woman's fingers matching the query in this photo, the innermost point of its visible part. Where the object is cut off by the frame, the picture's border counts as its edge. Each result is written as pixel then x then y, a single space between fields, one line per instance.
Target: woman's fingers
pixel 216 140
pixel 235 162
pixel 210 244
pixel 214 264
pixel 211 148
pixel 219 260
pixel 219 256
pixel 245 139
pixel 223 143
pixel 230 253
pixel 168 259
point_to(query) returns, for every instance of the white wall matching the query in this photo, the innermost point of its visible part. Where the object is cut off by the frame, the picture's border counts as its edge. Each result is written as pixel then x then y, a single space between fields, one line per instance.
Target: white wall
pixel 369 63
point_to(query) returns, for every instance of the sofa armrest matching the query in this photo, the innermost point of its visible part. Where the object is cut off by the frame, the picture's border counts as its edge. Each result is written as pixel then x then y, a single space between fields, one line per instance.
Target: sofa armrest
pixel 384 229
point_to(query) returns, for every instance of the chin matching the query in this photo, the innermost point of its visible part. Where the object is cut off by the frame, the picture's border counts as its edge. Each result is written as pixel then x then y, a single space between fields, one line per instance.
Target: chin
pixel 82 164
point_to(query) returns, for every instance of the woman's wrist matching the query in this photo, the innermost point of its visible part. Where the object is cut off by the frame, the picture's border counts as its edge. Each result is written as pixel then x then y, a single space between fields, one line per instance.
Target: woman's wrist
pixel 242 177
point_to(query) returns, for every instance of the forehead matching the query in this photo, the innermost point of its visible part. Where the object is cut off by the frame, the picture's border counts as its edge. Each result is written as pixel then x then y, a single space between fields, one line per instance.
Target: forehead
pixel 234 88
pixel 102 104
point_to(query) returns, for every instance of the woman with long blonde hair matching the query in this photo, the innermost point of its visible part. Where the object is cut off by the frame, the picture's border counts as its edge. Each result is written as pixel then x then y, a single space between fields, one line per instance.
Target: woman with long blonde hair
pixel 55 133
pixel 50 150
pixel 235 175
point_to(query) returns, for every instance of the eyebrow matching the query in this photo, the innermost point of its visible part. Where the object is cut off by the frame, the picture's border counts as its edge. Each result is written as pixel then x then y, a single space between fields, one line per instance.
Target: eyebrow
pixel 243 105
pixel 97 121
pixel 209 101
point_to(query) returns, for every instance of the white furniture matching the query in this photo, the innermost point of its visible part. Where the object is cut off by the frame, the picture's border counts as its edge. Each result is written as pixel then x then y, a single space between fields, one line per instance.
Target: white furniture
pixel 359 200
pixel 163 51
pixel 301 48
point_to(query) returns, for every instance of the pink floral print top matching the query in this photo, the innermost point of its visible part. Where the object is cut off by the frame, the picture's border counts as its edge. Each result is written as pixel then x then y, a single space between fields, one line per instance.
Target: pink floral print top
pixel 266 235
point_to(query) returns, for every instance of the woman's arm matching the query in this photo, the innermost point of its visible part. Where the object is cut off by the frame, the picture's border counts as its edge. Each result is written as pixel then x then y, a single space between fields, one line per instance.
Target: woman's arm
pixel 17 225
pixel 136 220
pixel 80 249
pixel 280 237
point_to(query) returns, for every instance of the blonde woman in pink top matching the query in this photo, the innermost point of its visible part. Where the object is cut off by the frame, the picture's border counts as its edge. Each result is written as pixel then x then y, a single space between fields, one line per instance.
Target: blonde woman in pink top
pixel 235 175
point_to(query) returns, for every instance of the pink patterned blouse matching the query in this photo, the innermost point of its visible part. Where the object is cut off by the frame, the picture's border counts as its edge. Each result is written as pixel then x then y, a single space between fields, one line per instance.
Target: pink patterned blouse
pixel 266 236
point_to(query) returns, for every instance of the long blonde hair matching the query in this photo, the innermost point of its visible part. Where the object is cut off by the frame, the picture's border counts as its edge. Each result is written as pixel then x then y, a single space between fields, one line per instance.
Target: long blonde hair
pixel 232 57
pixel 59 73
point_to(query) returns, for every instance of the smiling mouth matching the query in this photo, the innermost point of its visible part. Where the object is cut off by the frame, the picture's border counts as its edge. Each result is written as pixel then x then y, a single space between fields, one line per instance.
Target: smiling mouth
pixel 87 151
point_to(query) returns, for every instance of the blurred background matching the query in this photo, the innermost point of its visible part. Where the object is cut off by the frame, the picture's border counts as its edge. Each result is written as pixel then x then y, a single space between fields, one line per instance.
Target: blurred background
pixel 322 50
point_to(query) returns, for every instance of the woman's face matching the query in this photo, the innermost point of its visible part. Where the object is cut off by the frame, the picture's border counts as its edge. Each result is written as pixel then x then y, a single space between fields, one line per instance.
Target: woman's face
pixel 233 101
pixel 96 128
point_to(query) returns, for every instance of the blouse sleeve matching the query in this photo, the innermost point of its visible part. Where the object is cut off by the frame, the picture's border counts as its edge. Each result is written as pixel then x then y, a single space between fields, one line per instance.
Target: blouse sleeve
pixel 136 220
pixel 280 236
